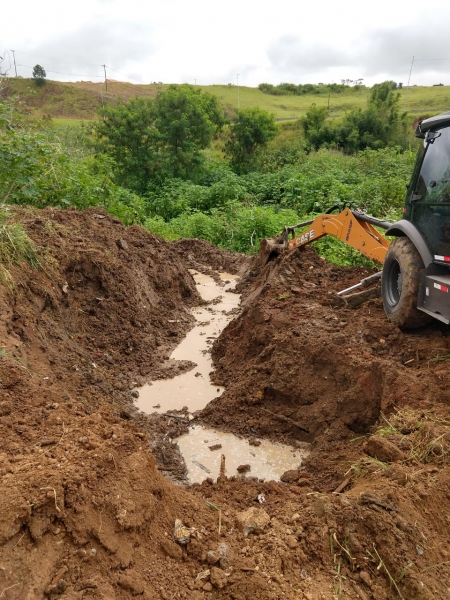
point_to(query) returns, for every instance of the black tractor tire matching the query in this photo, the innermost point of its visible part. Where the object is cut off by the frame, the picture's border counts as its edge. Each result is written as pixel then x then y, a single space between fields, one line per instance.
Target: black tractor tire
pixel 400 282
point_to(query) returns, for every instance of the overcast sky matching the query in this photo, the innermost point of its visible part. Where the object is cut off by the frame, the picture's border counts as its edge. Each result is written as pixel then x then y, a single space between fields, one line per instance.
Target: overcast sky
pixel 215 41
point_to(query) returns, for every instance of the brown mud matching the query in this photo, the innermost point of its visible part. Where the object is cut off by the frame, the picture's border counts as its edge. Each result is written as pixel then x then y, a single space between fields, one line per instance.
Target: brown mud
pixel 85 511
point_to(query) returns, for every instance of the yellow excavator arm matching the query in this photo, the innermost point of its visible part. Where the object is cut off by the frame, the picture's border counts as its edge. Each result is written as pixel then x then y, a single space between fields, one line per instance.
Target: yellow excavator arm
pixel 353 227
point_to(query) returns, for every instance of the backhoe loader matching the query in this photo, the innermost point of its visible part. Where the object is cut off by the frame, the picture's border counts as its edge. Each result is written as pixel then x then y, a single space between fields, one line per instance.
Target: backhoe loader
pixel 415 278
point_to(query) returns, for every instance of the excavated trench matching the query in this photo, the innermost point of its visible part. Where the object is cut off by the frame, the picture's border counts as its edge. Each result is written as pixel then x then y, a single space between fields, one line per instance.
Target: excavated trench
pixel 202 447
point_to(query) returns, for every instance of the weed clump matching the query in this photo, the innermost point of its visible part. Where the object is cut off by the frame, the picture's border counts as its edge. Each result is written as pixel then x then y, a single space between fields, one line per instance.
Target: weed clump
pixel 15 247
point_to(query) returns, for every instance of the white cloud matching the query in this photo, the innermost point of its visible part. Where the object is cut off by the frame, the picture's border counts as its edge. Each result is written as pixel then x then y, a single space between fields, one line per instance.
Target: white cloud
pixel 211 42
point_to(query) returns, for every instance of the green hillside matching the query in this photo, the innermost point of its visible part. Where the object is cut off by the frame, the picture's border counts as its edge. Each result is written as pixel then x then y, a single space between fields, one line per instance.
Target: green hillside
pixel 80 100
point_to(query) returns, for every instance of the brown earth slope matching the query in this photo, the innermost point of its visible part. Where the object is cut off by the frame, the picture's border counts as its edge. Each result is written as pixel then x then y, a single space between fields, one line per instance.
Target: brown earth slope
pixel 84 509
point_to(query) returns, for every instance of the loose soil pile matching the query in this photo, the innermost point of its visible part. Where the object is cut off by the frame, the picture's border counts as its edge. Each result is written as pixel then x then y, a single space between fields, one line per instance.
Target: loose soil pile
pixel 84 509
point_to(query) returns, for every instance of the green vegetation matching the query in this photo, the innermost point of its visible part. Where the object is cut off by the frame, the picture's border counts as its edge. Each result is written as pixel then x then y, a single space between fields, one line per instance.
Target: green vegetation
pixel 43 166
pixel 153 140
pixel 39 75
pixel 377 126
pixel 172 164
pixel 15 247
pixel 292 89
pixel 249 134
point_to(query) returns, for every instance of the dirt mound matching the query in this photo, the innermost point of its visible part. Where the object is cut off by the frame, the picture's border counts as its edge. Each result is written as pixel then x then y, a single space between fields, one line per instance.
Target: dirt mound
pixel 78 480
pixel 299 364
pixel 84 509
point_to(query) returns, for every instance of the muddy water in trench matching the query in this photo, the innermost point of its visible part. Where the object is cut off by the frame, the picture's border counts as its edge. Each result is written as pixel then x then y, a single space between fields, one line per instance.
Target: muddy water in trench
pixel 267 461
pixel 194 390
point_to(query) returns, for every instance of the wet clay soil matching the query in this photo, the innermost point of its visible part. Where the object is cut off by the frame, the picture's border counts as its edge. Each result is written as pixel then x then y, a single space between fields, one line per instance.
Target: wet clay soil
pixel 85 511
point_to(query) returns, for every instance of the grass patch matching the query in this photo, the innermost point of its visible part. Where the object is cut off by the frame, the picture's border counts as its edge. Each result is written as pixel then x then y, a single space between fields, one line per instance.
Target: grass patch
pixel 62 122
pixel 15 247
pixel 82 98
pixel 428 436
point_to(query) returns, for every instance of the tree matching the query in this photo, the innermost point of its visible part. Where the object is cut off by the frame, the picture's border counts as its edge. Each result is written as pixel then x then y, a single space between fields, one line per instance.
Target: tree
pixel 152 140
pixel 378 126
pixel 252 131
pixel 186 121
pixel 317 132
pixel 39 75
pixel 127 134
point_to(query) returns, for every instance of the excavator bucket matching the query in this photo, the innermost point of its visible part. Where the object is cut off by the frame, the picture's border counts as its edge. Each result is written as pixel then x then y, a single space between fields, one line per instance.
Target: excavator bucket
pixel 270 248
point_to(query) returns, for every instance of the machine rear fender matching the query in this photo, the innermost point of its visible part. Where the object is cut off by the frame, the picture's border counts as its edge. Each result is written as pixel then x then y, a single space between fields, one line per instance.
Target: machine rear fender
pixel 405 228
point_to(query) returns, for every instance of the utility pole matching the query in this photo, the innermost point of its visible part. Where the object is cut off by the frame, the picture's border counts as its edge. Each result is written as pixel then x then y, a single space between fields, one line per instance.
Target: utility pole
pixel 106 81
pixel 103 104
pixel 238 90
pixel 14 56
pixel 409 79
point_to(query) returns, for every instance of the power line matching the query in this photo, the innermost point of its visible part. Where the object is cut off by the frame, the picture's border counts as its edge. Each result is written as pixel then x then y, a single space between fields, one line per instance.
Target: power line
pixel 73 74
pixel 60 72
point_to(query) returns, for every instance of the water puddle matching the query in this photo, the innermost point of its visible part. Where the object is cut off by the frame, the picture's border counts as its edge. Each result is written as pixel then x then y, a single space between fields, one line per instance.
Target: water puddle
pixel 267 461
pixel 194 389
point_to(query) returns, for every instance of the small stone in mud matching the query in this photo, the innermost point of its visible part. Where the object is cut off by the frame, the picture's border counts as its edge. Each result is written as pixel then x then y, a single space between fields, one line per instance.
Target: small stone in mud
pixel 218 578
pixel 254 442
pixel 291 541
pixel 290 476
pixel 382 449
pixel 135 393
pixel 253 520
pixel 122 244
pixel 212 557
pixel 244 469
pixel 171 549
pixel 215 447
pixel 198 374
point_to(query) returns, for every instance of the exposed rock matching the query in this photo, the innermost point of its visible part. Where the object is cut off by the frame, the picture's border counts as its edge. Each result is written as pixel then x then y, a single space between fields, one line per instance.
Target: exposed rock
pixel 290 476
pixel 253 520
pixel 382 449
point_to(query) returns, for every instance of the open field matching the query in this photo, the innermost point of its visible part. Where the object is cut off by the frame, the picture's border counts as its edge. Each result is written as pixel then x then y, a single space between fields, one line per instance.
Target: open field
pixel 81 100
